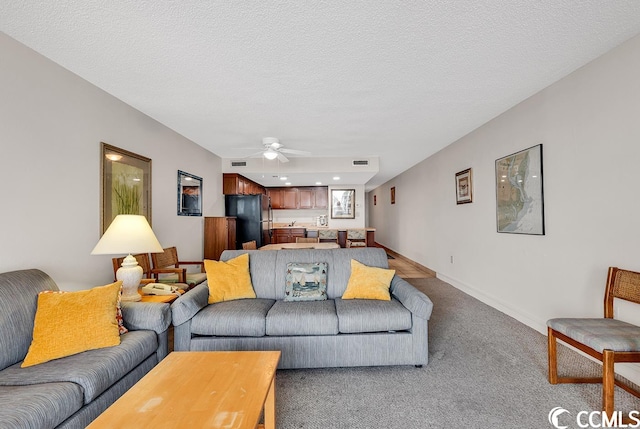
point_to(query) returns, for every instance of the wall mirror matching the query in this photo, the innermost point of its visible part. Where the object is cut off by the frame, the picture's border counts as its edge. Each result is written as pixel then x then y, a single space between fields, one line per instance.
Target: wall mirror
pixel 343 203
pixel 189 194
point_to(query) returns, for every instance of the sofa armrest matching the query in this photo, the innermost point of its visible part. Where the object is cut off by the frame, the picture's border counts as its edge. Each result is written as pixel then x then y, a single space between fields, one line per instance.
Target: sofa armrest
pixel 185 307
pixel 150 316
pixel 417 302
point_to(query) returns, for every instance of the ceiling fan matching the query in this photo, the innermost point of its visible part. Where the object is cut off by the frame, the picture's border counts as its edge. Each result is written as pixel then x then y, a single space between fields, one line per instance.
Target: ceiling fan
pixel 274 149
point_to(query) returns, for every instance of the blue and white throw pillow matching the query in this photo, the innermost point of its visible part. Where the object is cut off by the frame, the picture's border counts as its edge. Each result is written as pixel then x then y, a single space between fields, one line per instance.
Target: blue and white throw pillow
pixel 306 281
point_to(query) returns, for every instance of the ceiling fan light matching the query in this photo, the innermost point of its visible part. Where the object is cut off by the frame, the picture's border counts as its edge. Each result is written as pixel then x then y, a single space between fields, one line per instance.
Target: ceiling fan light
pixel 270 154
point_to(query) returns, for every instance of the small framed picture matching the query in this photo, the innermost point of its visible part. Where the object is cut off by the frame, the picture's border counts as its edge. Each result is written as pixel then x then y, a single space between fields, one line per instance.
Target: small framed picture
pixel 189 194
pixel 126 184
pixel 464 188
pixel 343 203
pixel 393 195
pixel 375 200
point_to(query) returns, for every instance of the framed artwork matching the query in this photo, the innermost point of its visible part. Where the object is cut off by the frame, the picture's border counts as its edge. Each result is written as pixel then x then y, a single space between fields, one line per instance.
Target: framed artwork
pixel 126 184
pixel 189 194
pixel 375 200
pixel 464 187
pixel 393 195
pixel 343 203
pixel 519 192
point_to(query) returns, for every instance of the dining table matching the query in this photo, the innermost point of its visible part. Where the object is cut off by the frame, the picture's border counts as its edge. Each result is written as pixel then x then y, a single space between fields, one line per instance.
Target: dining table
pixel 282 246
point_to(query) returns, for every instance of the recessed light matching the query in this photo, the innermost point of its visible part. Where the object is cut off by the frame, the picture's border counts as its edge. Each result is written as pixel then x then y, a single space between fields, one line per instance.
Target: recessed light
pixel 287 183
pixel 284 178
pixel 318 183
pixel 336 177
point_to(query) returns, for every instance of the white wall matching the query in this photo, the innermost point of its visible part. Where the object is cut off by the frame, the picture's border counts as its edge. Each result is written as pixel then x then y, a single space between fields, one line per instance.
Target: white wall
pixel 588 124
pixel 51 126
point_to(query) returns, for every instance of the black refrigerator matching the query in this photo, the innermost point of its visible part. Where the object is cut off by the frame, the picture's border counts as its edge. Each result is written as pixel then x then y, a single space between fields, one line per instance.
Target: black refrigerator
pixel 253 218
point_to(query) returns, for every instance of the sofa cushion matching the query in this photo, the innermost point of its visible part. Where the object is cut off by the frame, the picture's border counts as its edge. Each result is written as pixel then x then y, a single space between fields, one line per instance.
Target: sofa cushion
pixel 368 282
pixel 18 297
pixel 94 370
pixel 240 318
pixel 67 323
pixel 302 318
pixel 44 405
pixel 306 281
pixel 370 315
pixel 229 280
pixel 261 267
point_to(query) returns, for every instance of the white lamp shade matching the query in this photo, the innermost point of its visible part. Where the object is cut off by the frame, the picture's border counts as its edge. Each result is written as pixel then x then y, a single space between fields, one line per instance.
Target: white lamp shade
pixel 270 154
pixel 128 234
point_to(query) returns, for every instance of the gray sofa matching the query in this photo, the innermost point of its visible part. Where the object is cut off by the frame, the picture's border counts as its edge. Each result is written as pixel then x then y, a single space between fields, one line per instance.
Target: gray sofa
pixel 313 334
pixel 69 392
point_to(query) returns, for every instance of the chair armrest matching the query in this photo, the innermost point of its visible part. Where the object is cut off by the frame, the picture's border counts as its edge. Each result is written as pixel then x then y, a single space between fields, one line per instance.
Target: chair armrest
pixel 201 263
pixel 187 305
pixel 415 301
pixel 146 316
pixel 181 272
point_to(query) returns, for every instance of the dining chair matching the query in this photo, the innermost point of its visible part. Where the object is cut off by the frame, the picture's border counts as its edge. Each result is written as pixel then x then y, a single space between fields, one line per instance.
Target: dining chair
pixel 327 235
pixel 307 239
pixel 167 269
pixel 249 245
pixel 606 339
pixel 356 238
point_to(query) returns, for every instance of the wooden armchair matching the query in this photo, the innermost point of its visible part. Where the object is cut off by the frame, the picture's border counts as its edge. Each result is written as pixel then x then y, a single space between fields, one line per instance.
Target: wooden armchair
pixel 166 269
pixel 249 245
pixel 606 339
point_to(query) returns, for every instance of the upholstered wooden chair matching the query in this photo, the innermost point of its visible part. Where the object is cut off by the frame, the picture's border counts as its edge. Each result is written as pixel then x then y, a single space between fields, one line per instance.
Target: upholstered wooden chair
pixel 328 235
pixel 167 269
pixel 606 339
pixel 249 245
pixel 143 261
pixel 356 238
pixel 307 239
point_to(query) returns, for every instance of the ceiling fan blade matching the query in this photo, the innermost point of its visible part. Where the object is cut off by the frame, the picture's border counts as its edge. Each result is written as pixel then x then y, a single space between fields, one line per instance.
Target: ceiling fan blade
pixel 295 152
pixel 254 155
pixel 282 158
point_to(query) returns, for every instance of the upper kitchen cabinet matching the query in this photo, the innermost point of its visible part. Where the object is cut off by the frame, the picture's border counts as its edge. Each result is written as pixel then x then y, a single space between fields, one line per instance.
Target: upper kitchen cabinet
pixel 304 197
pixel 235 184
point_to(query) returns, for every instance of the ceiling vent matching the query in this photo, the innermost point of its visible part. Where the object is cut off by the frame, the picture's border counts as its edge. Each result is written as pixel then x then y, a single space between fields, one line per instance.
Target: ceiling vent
pixel 360 162
pixel 238 163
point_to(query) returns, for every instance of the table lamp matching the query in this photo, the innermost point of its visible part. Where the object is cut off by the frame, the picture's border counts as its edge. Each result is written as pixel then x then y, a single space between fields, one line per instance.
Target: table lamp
pixel 128 234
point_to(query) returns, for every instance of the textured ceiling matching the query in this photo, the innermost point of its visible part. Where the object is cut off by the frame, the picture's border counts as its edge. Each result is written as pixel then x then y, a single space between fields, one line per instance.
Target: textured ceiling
pixel 394 79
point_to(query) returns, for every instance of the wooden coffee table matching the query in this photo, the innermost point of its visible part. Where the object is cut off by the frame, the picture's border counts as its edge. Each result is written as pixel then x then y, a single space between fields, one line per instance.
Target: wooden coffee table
pixel 200 390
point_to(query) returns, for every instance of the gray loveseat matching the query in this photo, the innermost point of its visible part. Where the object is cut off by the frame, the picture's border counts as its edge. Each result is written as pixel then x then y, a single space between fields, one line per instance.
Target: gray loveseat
pixel 312 334
pixel 69 392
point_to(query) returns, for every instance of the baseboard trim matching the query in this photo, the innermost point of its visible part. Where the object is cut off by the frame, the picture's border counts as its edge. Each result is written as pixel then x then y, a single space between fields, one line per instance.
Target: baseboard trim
pixel 405 259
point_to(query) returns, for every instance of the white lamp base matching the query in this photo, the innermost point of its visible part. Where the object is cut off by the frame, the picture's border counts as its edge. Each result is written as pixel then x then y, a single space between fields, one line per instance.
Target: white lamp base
pixel 131 274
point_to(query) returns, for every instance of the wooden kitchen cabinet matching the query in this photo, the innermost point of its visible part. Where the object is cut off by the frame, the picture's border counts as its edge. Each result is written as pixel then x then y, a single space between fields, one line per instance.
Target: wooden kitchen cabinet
pixel 219 235
pixel 236 184
pixel 303 197
pixel 321 197
pixel 290 198
pixel 306 198
pixel 275 196
pixel 287 235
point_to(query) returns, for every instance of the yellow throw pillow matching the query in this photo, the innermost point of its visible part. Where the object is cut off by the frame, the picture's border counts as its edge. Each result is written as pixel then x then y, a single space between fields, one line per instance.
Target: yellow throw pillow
pixel 229 280
pixel 74 322
pixel 368 282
